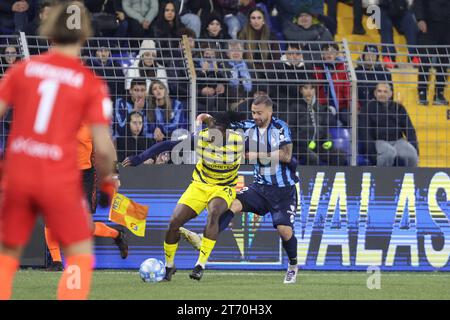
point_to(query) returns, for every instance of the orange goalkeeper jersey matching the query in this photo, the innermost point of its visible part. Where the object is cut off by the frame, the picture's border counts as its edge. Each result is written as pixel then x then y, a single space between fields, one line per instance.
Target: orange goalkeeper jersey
pixel 85 147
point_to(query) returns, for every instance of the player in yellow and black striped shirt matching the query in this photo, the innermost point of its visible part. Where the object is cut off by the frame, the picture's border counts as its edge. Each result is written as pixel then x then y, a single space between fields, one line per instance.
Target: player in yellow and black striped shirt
pixel 220 152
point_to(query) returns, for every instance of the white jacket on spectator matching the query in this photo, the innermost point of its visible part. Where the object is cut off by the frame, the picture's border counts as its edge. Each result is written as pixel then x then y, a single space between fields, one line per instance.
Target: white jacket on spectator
pixel 133 70
pixel 141 10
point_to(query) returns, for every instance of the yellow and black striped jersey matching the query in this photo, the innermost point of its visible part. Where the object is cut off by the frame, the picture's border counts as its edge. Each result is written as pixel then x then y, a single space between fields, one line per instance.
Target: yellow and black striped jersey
pixel 218 164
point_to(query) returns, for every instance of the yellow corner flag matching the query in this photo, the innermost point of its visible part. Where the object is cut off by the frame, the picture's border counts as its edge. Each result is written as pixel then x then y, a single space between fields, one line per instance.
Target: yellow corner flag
pixel 128 213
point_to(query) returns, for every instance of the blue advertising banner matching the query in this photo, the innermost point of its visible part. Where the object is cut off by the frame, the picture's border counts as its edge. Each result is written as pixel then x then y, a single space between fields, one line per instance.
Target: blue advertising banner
pixel 348 218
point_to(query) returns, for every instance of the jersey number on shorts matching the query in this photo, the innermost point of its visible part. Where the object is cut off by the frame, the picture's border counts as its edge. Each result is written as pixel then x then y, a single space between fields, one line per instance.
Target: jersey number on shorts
pixel 48 89
pixel 229 191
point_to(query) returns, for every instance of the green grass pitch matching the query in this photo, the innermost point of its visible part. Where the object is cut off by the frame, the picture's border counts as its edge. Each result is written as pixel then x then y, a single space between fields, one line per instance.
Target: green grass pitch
pixel 235 285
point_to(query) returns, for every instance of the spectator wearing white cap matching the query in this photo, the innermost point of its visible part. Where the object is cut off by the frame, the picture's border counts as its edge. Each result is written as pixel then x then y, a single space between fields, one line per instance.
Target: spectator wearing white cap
pixel 146 66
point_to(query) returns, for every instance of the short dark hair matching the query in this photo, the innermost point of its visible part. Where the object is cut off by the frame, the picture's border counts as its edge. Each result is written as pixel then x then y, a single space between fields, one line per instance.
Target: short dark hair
pixel 295 46
pixel 138 82
pixel 263 99
pixel 134 113
pixel 327 46
pixel 226 118
pixel 188 32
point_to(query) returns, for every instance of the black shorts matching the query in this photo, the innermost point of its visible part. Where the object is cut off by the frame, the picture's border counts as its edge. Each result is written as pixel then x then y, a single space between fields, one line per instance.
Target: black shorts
pixel 89 187
pixel 281 202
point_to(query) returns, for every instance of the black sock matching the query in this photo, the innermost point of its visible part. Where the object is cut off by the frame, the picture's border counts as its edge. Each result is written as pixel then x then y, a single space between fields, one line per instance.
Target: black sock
pixel 290 247
pixel 225 220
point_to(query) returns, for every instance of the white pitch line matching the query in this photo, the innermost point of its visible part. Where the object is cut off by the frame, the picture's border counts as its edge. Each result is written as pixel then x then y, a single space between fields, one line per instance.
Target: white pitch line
pixel 276 273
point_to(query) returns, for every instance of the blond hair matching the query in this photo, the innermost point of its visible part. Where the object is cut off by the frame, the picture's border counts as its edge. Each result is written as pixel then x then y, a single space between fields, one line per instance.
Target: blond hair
pixel 68 23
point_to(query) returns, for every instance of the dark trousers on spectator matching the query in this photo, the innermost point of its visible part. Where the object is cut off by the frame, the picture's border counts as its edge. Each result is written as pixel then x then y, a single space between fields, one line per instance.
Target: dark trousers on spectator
pixel 332 15
pixel 405 24
pixel 136 30
pixel 438 34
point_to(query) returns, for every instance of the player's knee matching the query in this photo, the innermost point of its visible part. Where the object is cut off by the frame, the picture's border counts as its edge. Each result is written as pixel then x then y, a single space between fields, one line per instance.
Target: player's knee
pixel 175 223
pixel 284 231
pixel 236 206
pixel 214 215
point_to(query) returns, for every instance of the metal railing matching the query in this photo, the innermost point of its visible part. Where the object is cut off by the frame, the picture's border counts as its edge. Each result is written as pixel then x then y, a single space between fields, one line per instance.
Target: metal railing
pixel 207 75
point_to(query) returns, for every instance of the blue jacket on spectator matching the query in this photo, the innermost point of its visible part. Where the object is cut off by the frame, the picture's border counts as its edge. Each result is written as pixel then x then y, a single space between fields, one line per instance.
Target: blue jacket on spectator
pixel 239 73
pixel 123 108
pixel 178 119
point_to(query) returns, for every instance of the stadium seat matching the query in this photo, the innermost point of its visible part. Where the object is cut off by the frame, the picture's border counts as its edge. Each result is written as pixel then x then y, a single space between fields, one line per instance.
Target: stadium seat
pixel 124 58
pixel 342 140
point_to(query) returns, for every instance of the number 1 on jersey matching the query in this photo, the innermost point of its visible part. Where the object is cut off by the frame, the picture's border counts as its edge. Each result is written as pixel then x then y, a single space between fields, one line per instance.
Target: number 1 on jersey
pixel 48 89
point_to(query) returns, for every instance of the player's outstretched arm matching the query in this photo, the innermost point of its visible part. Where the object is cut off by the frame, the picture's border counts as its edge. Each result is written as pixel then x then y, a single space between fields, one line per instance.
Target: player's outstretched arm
pixel 151 152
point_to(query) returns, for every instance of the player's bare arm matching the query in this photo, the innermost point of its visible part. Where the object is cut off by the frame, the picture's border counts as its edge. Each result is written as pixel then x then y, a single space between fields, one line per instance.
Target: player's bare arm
pixel 284 154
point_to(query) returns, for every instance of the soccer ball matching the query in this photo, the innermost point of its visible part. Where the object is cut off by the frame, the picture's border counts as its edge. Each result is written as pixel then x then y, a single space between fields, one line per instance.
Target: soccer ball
pixel 152 270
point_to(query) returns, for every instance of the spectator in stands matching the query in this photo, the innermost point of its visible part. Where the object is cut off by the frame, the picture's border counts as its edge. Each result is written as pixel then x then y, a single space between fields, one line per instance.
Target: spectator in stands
pixel 293 67
pixel 140 16
pixel 165 115
pixel 191 11
pixel 433 18
pixel 370 72
pixel 310 123
pixel 386 132
pixel 288 10
pixel 397 13
pixel 234 13
pixel 8 57
pixel 336 87
pixel 215 29
pixel 307 30
pixel 146 66
pixel 240 81
pixel 258 33
pixel 38 45
pixel 210 80
pixel 135 141
pixel 105 66
pixel 136 101
pixel 108 17
pixel 13 15
pixel 168 23
pixel 44 9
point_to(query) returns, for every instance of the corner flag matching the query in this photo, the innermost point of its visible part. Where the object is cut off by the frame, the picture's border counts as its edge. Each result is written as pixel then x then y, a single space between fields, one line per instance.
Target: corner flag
pixel 128 213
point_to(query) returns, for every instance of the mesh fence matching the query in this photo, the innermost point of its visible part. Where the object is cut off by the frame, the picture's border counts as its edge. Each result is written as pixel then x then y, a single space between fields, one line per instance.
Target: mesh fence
pixel 10 52
pixel 416 110
pixel 342 103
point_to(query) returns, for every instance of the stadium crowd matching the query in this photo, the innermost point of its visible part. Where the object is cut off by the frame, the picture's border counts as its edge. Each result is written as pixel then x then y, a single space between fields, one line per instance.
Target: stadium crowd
pixel 245 57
